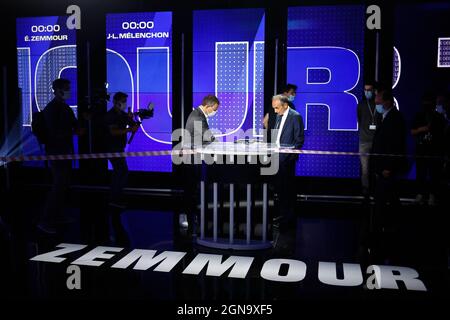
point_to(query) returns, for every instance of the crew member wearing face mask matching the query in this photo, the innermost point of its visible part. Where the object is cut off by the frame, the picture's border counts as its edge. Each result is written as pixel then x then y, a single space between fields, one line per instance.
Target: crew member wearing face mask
pixel 429 132
pixel 389 139
pixel 118 124
pixel 290 91
pixel 61 125
pixel 60 120
pixel 367 124
pixel 441 103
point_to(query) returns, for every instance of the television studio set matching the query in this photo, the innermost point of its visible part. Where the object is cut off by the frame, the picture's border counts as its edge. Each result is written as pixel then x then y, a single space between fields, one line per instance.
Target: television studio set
pixel 225 159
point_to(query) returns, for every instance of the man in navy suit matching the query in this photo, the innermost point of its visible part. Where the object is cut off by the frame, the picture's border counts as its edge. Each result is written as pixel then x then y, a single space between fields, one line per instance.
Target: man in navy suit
pixel 290 92
pixel 389 139
pixel 287 132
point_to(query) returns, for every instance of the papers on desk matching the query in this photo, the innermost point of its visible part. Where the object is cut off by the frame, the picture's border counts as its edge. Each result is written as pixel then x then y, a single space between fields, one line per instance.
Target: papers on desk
pixel 248 141
pixel 286 146
pixel 232 148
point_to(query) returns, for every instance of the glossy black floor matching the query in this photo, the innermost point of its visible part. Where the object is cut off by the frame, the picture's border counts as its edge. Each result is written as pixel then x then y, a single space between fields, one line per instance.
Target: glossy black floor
pixel 330 231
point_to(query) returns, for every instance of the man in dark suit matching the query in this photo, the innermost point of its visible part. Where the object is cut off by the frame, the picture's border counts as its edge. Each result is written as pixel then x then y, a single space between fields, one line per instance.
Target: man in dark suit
pixel 389 139
pixel 197 122
pixel 289 91
pixel 197 135
pixel 367 126
pixel 287 131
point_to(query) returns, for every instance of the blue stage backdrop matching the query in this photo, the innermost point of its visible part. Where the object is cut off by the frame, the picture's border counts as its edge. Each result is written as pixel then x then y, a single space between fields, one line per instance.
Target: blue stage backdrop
pixel 46 50
pixel 325 60
pixel 228 61
pixel 139 63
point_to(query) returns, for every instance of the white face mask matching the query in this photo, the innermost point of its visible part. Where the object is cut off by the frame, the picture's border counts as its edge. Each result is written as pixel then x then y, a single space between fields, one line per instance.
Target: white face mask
pixel 291 98
pixel 66 95
pixel 440 108
pixel 212 114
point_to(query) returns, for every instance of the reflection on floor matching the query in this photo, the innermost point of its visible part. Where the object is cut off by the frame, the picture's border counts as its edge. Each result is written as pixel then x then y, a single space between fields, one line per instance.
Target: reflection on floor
pixel 328 232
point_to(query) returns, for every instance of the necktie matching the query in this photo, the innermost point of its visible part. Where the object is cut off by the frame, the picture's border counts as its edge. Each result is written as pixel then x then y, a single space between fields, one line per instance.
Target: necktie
pixel 278 122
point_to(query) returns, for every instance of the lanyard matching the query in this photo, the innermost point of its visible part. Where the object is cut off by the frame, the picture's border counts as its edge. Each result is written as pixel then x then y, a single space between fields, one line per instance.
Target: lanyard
pixel 372 113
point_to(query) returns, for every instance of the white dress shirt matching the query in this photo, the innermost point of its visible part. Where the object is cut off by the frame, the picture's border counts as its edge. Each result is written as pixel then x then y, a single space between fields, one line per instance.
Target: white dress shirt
pixel 206 116
pixel 280 130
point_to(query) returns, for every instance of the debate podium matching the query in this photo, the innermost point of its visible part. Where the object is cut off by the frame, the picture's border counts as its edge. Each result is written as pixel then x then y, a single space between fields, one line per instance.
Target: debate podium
pixel 235 174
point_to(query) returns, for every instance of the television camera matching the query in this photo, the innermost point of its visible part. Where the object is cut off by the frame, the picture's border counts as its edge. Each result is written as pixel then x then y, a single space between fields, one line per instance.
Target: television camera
pixel 136 118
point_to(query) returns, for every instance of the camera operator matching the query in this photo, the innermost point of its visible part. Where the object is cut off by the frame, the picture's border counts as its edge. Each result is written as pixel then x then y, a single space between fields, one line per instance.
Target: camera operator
pixel 118 124
pixel 60 126
pixel 429 132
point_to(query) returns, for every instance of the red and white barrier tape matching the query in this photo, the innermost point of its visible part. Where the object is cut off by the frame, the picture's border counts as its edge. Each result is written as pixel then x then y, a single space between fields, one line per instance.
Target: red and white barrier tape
pixel 94 155
pixel 183 152
pixel 334 153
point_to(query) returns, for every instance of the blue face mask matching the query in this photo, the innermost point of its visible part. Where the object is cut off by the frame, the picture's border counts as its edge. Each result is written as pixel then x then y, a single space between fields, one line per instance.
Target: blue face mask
pixel 291 98
pixel 368 94
pixel 379 108
pixel 440 108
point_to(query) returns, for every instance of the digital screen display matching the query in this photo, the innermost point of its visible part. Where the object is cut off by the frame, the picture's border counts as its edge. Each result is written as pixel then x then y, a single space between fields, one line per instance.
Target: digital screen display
pixel 325 47
pixel 46 50
pixel 139 63
pixel 443 60
pixel 228 61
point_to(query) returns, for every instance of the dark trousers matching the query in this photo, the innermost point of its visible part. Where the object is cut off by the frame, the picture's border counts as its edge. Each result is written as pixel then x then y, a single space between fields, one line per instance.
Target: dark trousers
pixel 387 202
pixel 119 178
pixel 385 218
pixel 365 147
pixel 285 188
pixel 428 175
pixel 61 171
pixel 191 174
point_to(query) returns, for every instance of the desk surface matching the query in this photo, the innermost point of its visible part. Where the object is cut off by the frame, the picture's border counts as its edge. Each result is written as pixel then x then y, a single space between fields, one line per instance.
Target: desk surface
pixel 239 148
